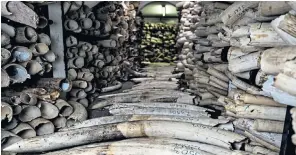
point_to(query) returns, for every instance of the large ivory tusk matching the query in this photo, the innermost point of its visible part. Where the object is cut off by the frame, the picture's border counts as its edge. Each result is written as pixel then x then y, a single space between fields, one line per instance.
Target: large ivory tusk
pixel 260 141
pixel 256 99
pixel 282 32
pixel 290 68
pixel 256 111
pixel 219 82
pixel 217 74
pixel 242 85
pixel 277 94
pixel 245 63
pixel 79 114
pixel 144 97
pixel 285 83
pixel 185 131
pixel 259 150
pixel 236 11
pixel 112 88
pixel 130 118
pixel 273 60
pixel 263 35
pixel 159 105
pixel 137 146
pixel 157 111
pixel 162 143
pixel 273 8
pixel 8 138
pixel 19 12
pixel 6 112
pixel 268 126
pixel 248 125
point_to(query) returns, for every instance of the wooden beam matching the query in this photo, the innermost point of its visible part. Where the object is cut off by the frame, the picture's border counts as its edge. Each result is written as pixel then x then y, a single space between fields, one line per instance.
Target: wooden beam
pixel 56 35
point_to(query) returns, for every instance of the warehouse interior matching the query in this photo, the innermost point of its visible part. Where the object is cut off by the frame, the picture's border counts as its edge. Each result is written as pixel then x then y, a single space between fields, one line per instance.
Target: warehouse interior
pixel 148 77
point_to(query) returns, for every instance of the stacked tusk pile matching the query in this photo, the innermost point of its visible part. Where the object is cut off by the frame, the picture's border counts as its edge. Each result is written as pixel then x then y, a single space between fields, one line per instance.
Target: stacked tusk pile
pixel 36 112
pixel 24 52
pixel 98 66
pixel 158 43
pixel 237 63
pixel 152 109
pixel 239 58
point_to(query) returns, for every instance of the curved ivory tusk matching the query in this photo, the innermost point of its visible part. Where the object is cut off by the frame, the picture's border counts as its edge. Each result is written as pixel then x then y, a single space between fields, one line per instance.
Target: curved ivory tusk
pixel 10 30
pixel 284 33
pixel 274 59
pixel 285 83
pixel 11 125
pixel 290 68
pixel 235 11
pixel 79 114
pixel 59 122
pixel 112 88
pixel 24 130
pixel 6 112
pixel 150 147
pixel 48 110
pixel 268 126
pixel 256 99
pixel 19 12
pixel 273 8
pixel 28 98
pixel 242 85
pixel 42 126
pixel 248 125
pixel 8 138
pixel 217 74
pixel 157 111
pixel 25 35
pixel 125 118
pixel 29 113
pixel 256 111
pixel 159 105
pixel 44 38
pixel 245 63
pixel 259 150
pixel 185 131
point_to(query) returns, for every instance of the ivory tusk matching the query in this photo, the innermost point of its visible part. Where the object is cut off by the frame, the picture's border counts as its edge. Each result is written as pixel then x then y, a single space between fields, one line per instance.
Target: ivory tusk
pixel 185 131
pixel 256 111
pixel 157 111
pixel 256 99
pixel 285 83
pixel 268 126
pixel 130 118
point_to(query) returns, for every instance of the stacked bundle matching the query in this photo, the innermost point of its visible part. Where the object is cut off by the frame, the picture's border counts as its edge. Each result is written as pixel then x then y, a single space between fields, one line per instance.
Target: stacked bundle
pixel 230 58
pixel 36 112
pixel 158 42
pixel 133 43
pixel 24 52
pixel 98 66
